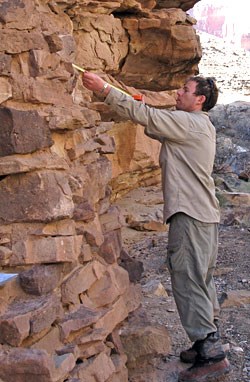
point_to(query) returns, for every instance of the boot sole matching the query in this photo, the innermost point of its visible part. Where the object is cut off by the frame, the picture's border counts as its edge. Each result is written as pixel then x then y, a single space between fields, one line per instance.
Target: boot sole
pixel 215 376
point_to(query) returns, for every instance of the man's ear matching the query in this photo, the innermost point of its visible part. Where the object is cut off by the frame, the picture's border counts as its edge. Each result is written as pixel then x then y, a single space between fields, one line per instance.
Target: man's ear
pixel 201 99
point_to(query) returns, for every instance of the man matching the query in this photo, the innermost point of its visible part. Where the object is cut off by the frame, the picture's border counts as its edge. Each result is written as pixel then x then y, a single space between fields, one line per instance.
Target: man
pixel 187 155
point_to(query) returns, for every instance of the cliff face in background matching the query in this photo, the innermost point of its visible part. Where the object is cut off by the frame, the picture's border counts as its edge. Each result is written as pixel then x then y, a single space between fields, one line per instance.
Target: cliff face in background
pixel 61 151
pixel 224 19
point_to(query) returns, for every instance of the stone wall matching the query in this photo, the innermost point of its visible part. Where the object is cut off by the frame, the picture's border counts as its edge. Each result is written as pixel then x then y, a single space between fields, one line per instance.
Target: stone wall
pixel 63 158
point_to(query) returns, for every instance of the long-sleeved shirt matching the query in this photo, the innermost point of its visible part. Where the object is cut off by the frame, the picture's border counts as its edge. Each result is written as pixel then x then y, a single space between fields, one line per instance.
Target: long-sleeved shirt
pixel 188 142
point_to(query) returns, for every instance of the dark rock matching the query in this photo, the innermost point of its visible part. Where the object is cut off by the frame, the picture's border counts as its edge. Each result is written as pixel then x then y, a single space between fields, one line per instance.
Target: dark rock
pixel 22 132
pixel 40 279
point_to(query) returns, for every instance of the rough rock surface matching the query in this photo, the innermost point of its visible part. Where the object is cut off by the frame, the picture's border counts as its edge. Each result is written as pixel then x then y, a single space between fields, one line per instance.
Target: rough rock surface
pixel 61 157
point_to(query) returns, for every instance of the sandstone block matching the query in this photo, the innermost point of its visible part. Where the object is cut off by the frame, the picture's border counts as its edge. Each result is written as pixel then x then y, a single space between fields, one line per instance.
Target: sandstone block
pixel 100 174
pixel 45 313
pixel 14 326
pixel 40 279
pixel 22 16
pixel 71 119
pixel 133 297
pixel 15 164
pixel 40 90
pixel 91 349
pixel 111 285
pixel 78 282
pixel 75 144
pixel 136 155
pixel 50 342
pixel 92 232
pixel 112 220
pixel 109 38
pixel 86 253
pixel 91 335
pixel 175 43
pixel 17 131
pixel 82 179
pixel 36 196
pixel 35 250
pixel 121 374
pixel 79 320
pixel 113 316
pixel 15 41
pixel 98 369
pixel 83 210
pixel 62 365
pixel 65 227
pixel 143 341
pixel 34 365
pixel 111 248
pixel 26 365
pixel 24 318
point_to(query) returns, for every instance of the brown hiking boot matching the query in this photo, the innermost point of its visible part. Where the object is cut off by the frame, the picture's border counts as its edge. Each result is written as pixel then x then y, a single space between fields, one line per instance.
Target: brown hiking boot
pixel 205 371
pixel 189 355
pixel 210 362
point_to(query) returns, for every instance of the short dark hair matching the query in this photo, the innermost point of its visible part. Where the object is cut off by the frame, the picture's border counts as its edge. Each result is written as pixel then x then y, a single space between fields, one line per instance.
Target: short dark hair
pixel 206 86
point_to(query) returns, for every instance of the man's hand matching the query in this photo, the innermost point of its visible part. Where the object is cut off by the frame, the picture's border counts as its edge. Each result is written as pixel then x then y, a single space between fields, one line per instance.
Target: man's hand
pixel 95 83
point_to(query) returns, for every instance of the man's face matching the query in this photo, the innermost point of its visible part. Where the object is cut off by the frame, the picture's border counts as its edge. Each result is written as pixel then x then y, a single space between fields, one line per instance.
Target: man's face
pixel 186 98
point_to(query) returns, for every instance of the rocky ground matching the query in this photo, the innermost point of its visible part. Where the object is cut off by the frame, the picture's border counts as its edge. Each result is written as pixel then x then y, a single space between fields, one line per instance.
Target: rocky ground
pixel 158 307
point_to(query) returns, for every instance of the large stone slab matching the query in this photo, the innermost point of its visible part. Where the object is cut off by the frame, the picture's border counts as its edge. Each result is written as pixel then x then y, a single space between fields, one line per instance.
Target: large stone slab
pixel 14 41
pixel 36 196
pixel 98 369
pixel 113 283
pixel 101 42
pixel 73 323
pixel 81 280
pixel 161 45
pixel 14 164
pixel 142 341
pixel 42 250
pixel 40 279
pixel 26 318
pixel 17 132
pixel 23 365
pixel 19 14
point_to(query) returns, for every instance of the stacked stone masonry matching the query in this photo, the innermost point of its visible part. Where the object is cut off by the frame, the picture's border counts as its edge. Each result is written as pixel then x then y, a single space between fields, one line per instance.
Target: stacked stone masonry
pixel 63 158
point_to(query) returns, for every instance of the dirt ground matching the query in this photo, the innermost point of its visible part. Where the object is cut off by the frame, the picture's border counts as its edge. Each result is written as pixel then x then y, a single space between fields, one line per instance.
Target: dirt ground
pixel 232 274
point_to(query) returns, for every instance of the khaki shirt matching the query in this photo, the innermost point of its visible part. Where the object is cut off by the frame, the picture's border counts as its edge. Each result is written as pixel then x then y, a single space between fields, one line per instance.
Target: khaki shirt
pixel 187 155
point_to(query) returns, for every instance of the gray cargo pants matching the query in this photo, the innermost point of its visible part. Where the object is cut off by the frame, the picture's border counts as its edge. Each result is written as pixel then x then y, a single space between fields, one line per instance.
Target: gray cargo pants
pixel 191 259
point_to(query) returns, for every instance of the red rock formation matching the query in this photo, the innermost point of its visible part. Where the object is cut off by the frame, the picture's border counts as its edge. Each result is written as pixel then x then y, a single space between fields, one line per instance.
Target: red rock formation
pixel 60 151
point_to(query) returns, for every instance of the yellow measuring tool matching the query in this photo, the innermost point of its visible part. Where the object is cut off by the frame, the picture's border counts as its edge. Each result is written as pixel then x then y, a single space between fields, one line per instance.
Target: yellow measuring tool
pixel 78 68
pixel 112 86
